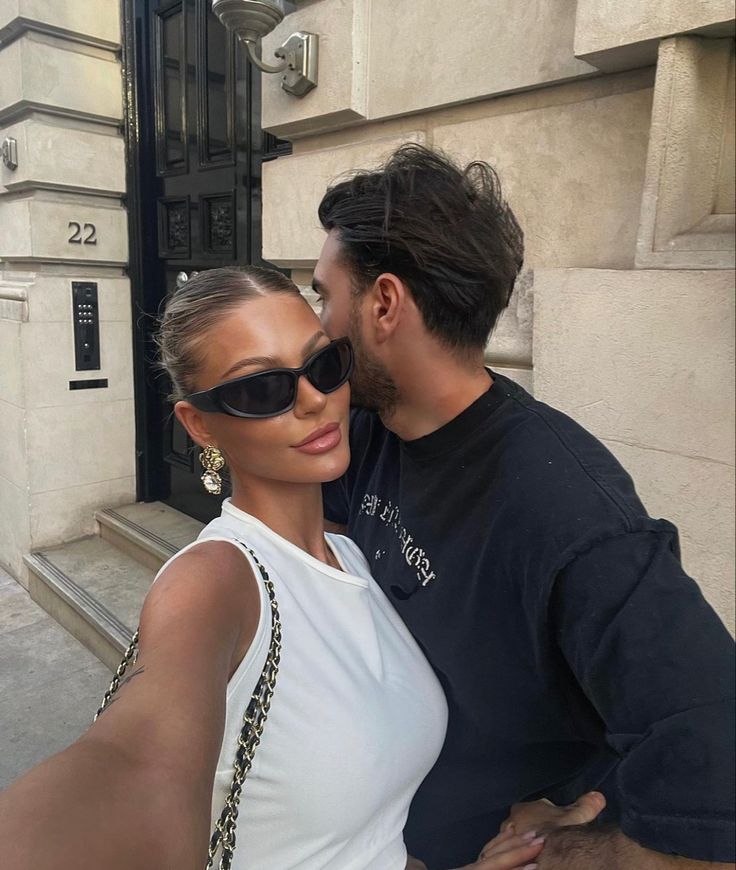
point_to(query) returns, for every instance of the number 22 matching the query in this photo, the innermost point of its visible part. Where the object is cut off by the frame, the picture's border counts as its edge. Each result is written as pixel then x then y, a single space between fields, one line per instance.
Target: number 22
pixel 77 229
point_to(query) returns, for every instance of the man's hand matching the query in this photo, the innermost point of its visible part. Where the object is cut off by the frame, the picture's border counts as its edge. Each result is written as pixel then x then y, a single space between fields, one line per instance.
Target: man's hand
pixel 543 815
pixel 414 864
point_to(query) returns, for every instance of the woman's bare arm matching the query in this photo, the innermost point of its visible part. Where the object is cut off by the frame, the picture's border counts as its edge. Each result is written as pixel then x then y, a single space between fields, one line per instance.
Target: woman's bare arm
pixel 135 790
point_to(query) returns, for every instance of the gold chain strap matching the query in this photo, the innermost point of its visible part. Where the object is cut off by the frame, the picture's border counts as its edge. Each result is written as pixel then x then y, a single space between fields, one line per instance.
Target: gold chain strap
pixel 129 657
pixel 254 718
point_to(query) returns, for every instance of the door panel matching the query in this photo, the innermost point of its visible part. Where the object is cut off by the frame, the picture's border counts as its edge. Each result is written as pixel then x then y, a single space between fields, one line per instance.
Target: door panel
pixel 169 65
pixel 199 147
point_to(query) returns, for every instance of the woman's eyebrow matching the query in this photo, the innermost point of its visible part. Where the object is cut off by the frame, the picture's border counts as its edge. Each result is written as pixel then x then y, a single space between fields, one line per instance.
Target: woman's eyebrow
pixel 312 343
pixel 265 361
pixel 271 362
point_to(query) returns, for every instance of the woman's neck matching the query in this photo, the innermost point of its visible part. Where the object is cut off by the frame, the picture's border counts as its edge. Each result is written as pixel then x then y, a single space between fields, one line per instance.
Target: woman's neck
pixel 292 510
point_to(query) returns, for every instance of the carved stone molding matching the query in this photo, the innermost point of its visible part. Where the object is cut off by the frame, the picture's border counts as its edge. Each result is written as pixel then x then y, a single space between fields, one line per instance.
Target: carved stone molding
pixel 687 215
pixel 614 35
pixel 14 299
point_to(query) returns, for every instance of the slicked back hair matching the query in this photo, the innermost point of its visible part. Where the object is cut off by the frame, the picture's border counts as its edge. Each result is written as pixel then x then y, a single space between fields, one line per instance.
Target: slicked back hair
pixel 445 231
pixel 195 309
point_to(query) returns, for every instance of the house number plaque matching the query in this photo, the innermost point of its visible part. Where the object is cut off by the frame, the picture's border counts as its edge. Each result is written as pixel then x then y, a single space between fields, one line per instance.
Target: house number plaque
pixel 82 234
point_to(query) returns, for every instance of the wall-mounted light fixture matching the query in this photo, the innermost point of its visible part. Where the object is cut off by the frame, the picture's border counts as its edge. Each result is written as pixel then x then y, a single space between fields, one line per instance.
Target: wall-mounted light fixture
pixel 9 151
pixel 251 20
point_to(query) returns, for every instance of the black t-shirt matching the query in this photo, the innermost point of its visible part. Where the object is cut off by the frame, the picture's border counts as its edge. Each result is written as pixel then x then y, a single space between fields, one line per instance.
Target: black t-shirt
pixel 574 651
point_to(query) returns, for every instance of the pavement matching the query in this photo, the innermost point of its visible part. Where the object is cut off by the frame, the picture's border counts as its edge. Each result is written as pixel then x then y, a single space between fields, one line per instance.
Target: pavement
pixel 50 685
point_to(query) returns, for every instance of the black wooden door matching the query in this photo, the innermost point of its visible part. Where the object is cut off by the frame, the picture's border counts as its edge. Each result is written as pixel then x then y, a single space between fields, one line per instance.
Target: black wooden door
pixel 194 151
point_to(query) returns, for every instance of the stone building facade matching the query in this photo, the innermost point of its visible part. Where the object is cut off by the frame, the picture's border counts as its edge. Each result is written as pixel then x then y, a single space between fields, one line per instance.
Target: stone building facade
pixel 612 128
pixel 63 451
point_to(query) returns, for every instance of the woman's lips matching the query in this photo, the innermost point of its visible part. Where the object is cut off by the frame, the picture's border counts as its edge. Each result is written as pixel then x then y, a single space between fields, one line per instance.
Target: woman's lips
pixel 321 440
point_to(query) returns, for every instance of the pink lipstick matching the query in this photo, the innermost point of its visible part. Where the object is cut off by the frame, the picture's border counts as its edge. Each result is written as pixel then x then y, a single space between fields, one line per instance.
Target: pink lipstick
pixel 321 440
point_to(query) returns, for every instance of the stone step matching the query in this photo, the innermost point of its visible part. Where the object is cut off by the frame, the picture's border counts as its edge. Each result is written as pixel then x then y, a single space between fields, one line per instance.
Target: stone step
pixel 94 587
pixel 149 532
pixel 93 590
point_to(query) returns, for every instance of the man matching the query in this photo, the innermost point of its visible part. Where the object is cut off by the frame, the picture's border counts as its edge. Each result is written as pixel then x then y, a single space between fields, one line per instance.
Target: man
pixel 574 651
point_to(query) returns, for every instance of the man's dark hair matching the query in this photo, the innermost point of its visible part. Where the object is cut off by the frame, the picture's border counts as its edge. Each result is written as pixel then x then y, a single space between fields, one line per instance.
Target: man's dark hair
pixel 445 231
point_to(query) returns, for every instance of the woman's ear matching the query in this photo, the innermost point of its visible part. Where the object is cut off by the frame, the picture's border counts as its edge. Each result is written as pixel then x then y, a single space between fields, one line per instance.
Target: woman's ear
pixel 194 421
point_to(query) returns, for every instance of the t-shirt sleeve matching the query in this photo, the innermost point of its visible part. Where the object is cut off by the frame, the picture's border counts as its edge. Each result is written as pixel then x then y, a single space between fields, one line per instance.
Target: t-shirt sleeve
pixel 336 502
pixel 658 666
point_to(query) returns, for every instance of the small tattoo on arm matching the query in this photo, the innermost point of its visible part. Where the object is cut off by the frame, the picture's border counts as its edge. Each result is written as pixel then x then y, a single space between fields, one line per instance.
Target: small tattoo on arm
pixel 107 706
pixel 130 677
pixel 122 683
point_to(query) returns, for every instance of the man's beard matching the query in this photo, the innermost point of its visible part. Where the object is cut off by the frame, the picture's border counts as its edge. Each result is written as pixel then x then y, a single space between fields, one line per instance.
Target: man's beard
pixel 371 386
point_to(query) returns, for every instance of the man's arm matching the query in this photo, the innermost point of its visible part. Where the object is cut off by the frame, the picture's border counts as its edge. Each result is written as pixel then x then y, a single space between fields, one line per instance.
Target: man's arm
pixel 606 848
pixel 571 841
pixel 656 664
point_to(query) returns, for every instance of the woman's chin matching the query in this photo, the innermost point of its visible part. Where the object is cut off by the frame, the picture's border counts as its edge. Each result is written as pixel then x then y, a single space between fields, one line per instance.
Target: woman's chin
pixel 336 475
pixel 332 467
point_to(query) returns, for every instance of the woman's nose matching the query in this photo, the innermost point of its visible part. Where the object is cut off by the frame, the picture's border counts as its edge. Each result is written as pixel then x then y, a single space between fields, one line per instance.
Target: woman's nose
pixel 309 400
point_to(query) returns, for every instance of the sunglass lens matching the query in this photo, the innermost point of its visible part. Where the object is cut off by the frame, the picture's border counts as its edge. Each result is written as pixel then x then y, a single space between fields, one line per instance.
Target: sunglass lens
pixel 264 394
pixel 330 368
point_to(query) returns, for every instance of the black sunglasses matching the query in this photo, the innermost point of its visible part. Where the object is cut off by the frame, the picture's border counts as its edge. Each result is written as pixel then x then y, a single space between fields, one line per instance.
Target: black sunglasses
pixel 273 391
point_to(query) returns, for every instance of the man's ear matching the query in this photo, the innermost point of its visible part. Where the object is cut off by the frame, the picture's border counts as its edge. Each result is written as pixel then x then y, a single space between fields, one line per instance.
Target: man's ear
pixel 194 422
pixel 387 302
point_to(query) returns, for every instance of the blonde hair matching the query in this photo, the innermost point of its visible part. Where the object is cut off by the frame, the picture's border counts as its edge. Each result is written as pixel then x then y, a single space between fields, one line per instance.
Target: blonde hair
pixel 195 309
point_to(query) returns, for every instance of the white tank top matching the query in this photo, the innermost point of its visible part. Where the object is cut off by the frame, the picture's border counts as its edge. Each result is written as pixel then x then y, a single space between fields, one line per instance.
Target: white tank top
pixel 357 719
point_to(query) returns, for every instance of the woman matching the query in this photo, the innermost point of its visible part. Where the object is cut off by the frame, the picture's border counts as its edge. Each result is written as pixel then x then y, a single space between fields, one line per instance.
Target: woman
pixel 357 717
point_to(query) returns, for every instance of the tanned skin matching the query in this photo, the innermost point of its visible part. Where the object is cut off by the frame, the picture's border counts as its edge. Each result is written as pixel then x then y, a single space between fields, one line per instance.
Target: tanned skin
pixel 586 848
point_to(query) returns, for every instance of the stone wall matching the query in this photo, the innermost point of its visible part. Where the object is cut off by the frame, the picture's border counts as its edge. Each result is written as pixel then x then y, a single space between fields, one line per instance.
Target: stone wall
pixel 611 125
pixel 612 128
pixel 660 394
pixel 65 452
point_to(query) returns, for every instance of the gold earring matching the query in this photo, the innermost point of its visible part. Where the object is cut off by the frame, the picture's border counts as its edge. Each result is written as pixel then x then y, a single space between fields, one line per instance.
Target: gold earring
pixel 212 461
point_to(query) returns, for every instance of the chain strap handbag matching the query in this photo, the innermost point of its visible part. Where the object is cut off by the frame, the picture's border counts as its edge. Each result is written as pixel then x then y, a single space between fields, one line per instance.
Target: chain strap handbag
pixel 254 718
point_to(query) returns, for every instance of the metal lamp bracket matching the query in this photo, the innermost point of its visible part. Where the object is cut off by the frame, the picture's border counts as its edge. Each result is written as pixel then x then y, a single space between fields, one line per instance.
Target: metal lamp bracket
pixel 10 153
pixel 299 57
pixel 251 20
pixel 301 52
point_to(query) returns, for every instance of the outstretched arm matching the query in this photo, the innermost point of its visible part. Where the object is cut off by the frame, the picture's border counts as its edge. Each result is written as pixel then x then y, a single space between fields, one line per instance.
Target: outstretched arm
pixel 135 790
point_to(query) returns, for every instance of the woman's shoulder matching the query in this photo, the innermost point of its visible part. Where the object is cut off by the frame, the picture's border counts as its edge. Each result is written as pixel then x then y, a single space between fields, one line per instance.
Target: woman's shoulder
pixel 211 573
pixel 216 545
pixel 210 588
pixel 219 544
